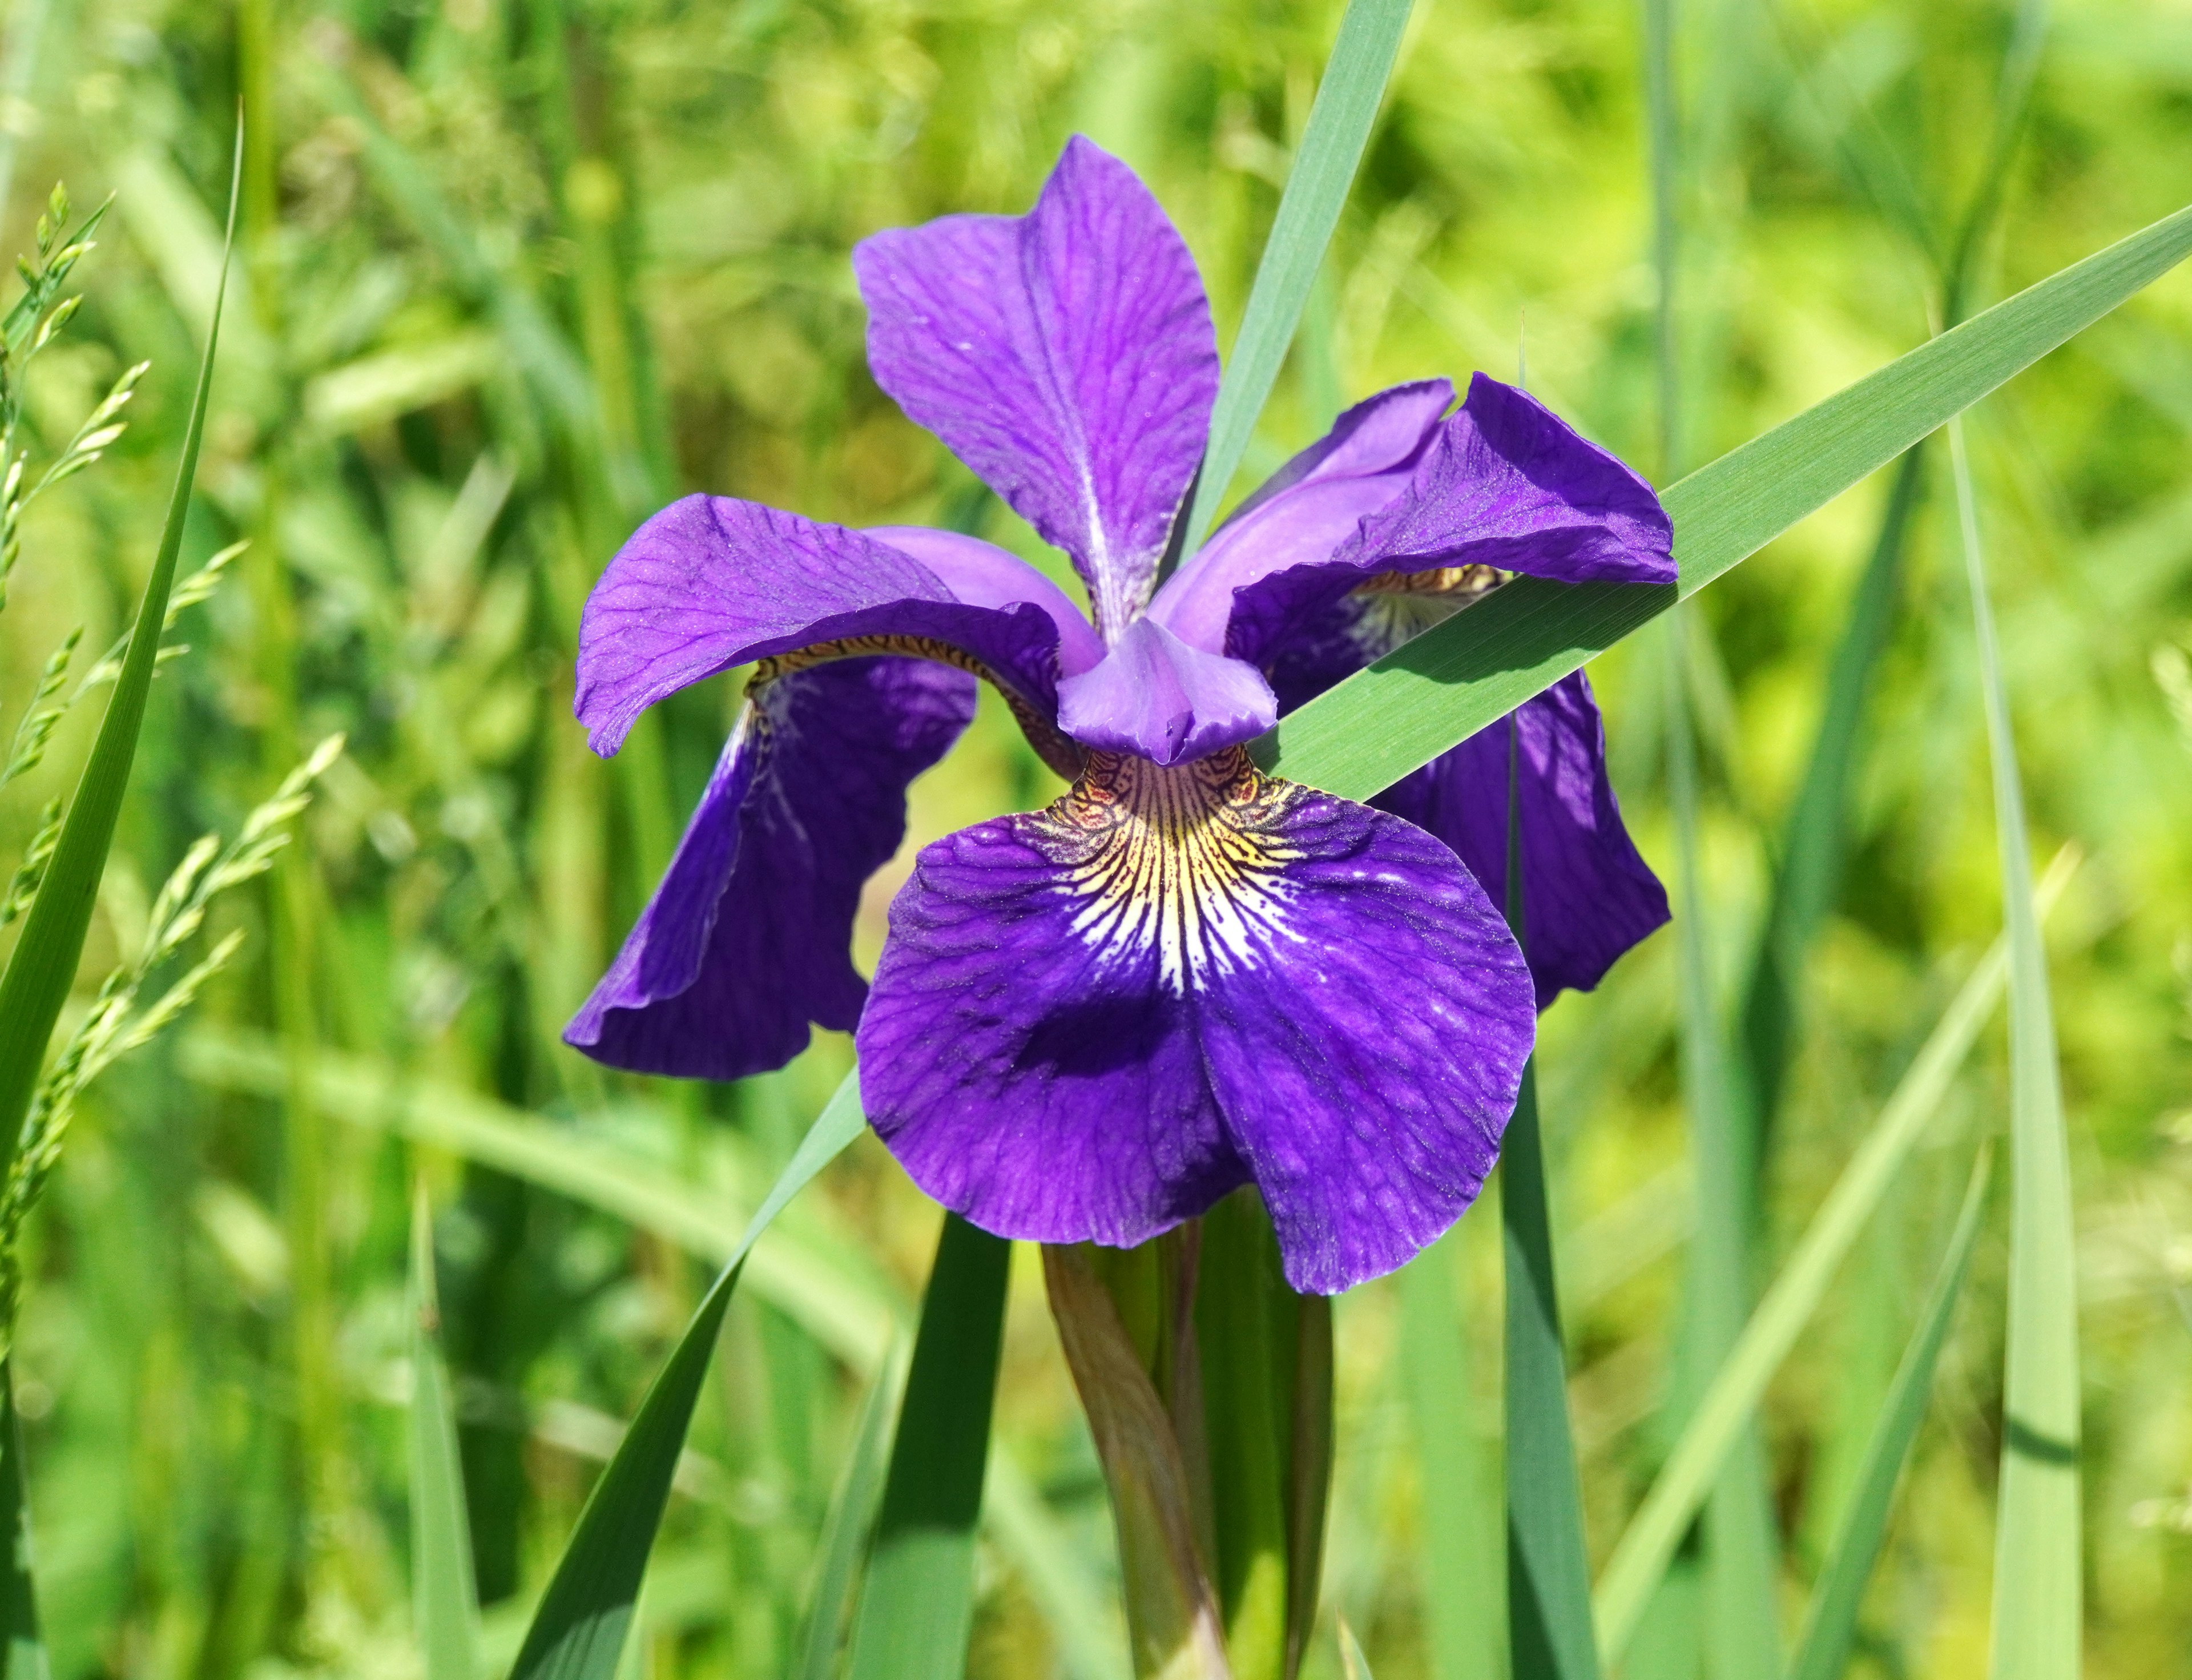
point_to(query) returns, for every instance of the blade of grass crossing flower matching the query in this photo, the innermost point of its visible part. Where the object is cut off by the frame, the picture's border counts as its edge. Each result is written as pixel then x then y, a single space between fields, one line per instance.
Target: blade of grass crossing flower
pixel 1741 1547
pixel 1810 866
pixel 1548 1571
pixel 444 1601
pixel 1365 733
pixel 22 1647
pixel 2038 1581
pixel 1340 122
pixel 917 1603
pixel 1655 1531
pixel 1831 1624
pixel 577 1634
pixel 844 1531
pixel 43 963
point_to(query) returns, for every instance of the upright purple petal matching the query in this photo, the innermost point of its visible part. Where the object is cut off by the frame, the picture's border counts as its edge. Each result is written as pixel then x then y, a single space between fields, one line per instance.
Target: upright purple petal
pixel 1091 1022
pixel 1504 482
pixel 1307 509
pixel 1157 697
pixel 711 582
pixel 747 941
pixel 1066 356
pixel 1588 895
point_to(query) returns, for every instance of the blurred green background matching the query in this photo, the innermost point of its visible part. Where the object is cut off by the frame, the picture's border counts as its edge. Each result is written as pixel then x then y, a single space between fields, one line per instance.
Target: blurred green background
pixel 517 271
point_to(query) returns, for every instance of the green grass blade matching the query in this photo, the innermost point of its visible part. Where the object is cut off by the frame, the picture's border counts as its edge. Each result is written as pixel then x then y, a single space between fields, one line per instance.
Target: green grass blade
pixel 836 1301
pixel 1831 1624
pixel 1548 1571
pixel 844 1531
pixel 1657 1528
pixel 2038 1579
pixel 579 1631
pixel 1810 868
pixel 1340 122
pixel 22 1647
pixel 1455 1469
pixel 1548 1628
pixel 43 963
pixel 917 1604
pixel 1352 1662
pixel 1742 1550
pixel 1810 871
pixel 445 1602
pixel 1365 733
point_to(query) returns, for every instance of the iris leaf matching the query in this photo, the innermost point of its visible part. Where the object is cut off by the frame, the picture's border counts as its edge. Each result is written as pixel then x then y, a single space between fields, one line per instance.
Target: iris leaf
pixel 445 1602
pixel 1463 1628
pixel 1831 1624
pixel 43 963
pixel 2037 1583
pixel 845 1532
pixel 1548 1630
pixel 1795 1294
pixel 1742 1550
pixel 1365 733
pixel 579 1631
pixel 1332 144
pixel 917 1603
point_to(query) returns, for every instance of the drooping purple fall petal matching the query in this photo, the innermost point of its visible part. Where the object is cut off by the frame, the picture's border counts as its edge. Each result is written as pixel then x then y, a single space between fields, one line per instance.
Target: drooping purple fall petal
pixel 711 582
pixel 747 941
pixel 1503 482
pixel 1588 896
pixel 1066 356
pixel 1091 1022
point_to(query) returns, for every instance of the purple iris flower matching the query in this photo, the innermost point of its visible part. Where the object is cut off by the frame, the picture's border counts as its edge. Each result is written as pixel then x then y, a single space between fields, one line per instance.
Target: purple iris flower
pixel 1090 1022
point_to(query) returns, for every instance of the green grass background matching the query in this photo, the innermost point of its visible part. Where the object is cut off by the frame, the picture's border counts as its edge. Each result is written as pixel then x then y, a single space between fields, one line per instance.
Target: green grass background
pixel 515 271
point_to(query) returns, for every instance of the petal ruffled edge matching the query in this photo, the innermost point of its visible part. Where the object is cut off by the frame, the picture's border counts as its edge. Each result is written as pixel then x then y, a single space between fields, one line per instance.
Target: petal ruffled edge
pixel 1066 356
pixel 1091 1022
pixel 746 944
pixel 712 582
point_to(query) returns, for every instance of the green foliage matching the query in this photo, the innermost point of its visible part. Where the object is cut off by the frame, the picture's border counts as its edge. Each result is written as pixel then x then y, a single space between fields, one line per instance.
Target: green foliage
pixel 510 275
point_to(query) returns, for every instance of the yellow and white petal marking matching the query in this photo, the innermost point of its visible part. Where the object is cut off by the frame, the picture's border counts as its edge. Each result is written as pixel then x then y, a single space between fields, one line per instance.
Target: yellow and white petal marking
pixel 1187 861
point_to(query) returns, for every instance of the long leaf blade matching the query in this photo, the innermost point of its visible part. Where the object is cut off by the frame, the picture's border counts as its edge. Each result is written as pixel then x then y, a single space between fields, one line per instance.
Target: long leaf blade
pixel 1548 1627
pixel 1657 1528
pixel 2038 1582
pixel 445 1600
pixel 917 1603
pixel 1831 1624
pixel 1365 733
pixel 1339 127
pixel 845 1530
pixel 43 963
pixel 577 1634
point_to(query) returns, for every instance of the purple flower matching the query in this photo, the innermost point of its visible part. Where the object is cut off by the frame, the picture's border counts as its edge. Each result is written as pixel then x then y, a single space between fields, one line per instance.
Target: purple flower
pixel 1091 1022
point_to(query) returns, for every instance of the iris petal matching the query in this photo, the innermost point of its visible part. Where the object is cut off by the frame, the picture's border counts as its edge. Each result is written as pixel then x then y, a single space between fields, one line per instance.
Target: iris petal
pixel 711 582
pixel 1503 481
pixel 1066 356
pixel 1588 895
pixel 746 943
pixel 1091 1022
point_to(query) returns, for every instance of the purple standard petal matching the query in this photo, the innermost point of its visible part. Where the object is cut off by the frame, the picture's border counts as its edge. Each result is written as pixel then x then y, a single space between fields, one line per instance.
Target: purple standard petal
pixel 982 574
pixel 1587 893
pixel 1157 697
pixel 747 941
pixel 1304 511
pixel 1066 356
pixel 1092 1021
pixel 712 582
pixel 1505 484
